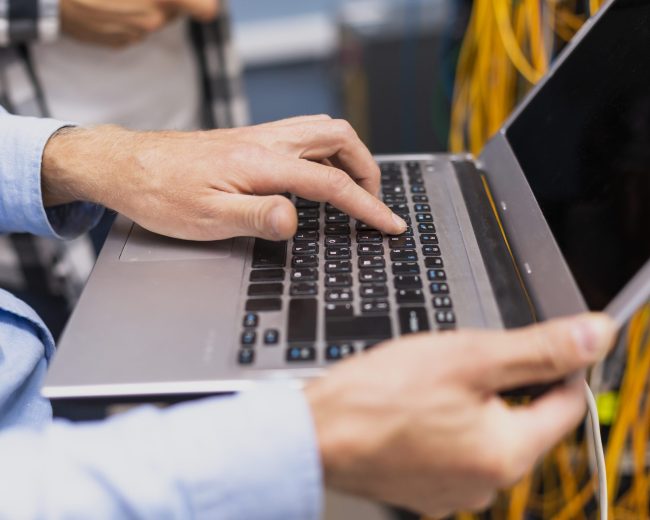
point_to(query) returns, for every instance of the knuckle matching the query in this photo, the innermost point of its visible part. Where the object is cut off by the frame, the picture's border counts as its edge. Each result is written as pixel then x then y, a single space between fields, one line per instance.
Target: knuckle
pixel 337 180
pixel 344 129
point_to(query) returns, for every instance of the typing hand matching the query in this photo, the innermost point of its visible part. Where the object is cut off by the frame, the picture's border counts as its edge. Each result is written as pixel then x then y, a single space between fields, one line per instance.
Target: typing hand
pixel 218 184
pixel 419 422
pixel 113 23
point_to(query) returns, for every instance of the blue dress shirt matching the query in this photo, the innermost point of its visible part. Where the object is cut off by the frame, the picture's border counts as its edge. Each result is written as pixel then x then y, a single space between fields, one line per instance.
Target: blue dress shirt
pixel 251 456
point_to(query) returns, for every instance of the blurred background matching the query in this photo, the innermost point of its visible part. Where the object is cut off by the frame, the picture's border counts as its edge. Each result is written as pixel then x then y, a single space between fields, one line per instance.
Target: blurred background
pixel 386 65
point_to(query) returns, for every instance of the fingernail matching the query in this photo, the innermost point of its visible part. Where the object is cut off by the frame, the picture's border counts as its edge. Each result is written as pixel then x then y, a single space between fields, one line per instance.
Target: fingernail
pixel 399 221
pixel 592 335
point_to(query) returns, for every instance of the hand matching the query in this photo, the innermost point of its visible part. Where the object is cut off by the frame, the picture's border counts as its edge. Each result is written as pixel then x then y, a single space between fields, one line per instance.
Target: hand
pixel 419 422
pixel 218 184
pixel 113 23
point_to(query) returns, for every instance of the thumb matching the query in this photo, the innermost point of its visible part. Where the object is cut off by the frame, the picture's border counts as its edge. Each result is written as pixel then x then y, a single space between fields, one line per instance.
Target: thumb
pixel 272 217
pixel 546 352
pixel 201 10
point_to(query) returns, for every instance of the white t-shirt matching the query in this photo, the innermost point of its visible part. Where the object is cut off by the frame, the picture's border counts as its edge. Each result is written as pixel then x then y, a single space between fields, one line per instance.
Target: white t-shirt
pixel 152 85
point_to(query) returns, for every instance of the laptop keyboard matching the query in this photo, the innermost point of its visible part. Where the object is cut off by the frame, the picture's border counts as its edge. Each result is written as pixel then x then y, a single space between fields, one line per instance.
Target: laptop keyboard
pixel 342 286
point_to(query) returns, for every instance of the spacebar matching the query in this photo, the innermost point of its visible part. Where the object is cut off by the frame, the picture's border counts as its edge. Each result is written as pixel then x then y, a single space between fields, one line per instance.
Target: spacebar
pixel 358 328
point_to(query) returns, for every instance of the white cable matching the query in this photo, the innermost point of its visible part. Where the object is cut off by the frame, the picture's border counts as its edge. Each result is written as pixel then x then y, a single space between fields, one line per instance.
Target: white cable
pixel 600 453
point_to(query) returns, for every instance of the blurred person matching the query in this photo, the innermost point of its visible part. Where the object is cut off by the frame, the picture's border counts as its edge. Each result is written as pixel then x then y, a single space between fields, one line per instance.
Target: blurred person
pixel 417 422
pixel 142 64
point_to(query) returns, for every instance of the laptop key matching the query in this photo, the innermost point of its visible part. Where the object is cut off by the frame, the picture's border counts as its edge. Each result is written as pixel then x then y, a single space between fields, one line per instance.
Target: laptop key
pixel 304 289
pixel 307 213
pixel 372 275
pixel 248 338
pixel 405 296
pixel 437 275
pixel 339 351
pixel 265 289
pixel 337 218
pixel 434 262
pixel 305 248
pixel 264 305
pixel 375 307
pixel 304 261
pixel 310 224
pixel 370 249
pixel 428 239
pixel 427 228
pixel 445 317
pixel 336 253
pixel 338 280
pixel 413 320
pixel 337 241
pixel 358 328
pixel 424 217
pixel 404 255
pixel 401 243
pixel 431 250
pixel 422 208
pixel 442 302
pixel 269 254
pixel 333 310
pixel 302 320
pixel 337 229
pixel 371 262
pixel 304 203
pixel 418 188
pixel 251 319
pixel 407 281
pixel 301 354
pixel 246 356
pixel 373 291
pixel 271 336
pixel 406 268
pixel 267 275
pixel 307 236
pixel 338 266
pixel 338 295
pixel 439 288
pixel 420 198
pixel 304 275
pixel 364 237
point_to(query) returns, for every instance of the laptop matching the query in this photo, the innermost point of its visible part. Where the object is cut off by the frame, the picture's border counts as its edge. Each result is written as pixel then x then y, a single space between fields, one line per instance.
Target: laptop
pixel 551 219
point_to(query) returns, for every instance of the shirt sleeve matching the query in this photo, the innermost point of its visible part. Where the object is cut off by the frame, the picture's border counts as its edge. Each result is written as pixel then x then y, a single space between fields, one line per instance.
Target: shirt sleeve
pixel 253 455
pixel 22 142
pixel 26 21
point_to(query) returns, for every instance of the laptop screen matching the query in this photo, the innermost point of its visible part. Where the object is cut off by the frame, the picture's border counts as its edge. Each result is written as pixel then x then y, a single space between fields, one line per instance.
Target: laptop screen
pixel 583 143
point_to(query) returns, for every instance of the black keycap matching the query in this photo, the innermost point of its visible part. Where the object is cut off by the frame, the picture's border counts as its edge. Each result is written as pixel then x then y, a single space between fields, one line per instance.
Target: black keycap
pixel 337 229
pixel 306 236
pixel 399 208
pixel 420 198
pixel 250 319
pixel 442 302
pixel 401 243
pixel 427 228
pixel 431 250
pixel 246 356
pixel 392 189
pixel 375 307
pixel 310 224
pixel 338 280
pixel 338 295
pixel 303 289
pixel 445 317
pixel 407 233
pixel 248 337
pixel 304 203
pixel 407 281
pixel 372 275
pixel 364 237
pixel 394 199
pixel 413 167
pixel 333 310
pixel 422 208
pixel 301 323
pixel 337 218
pixel 428 239
pixel 389 166
pixel 373 291
pixel 267 275
pixel 424 217
pixel 304 275
pixel 406 268
pixel 271 337
pixel 338 266
pixel 439 288
pixel 437 275
pixel 370 249
pixel 338 351
pixel 331 209
pixel 434 262
pixel 264 305
pixel 404 255
pixel 362 226
pixel 307 213
pixel 265 289
pixel 413 320
pixel 339 241
pixel 301 354
pixel 372 262
pixel 305 248
pixel 269 254
pixel 358 328
pixel 304 261
pixel 338 253
pixel 410 296
pixel 418 188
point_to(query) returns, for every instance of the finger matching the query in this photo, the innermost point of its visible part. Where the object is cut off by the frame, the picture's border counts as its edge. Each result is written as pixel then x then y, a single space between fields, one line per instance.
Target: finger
pixel 322 183
pixel 337 140
pixel 543 353
pixel 270 217
pixel 201 10
pixel 295 120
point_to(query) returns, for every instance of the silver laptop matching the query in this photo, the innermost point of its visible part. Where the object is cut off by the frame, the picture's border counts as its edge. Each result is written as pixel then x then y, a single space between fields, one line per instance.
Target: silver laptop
pixel 552 219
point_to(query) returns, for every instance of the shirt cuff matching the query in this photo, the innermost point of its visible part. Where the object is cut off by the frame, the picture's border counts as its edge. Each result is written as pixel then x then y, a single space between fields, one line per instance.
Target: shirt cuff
pixel 264 440
pixel 21 200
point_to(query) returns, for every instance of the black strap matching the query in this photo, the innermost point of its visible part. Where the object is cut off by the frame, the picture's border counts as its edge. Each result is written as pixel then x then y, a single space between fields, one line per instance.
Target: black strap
pixel 23 20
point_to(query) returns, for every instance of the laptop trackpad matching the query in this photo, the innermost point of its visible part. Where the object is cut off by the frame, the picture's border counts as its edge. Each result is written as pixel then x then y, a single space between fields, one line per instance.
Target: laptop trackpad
pixel 144 246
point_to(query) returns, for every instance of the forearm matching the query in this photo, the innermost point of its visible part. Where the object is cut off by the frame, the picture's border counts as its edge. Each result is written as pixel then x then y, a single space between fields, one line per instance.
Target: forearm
pixel 25 21
pixel 250 456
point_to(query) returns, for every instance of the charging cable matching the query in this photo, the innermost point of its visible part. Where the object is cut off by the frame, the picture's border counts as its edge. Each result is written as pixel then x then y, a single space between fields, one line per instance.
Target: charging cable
pixel 603 502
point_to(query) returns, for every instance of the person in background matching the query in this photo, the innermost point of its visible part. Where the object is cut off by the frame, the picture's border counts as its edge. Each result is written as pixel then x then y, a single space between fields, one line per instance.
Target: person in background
pixel 141 64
